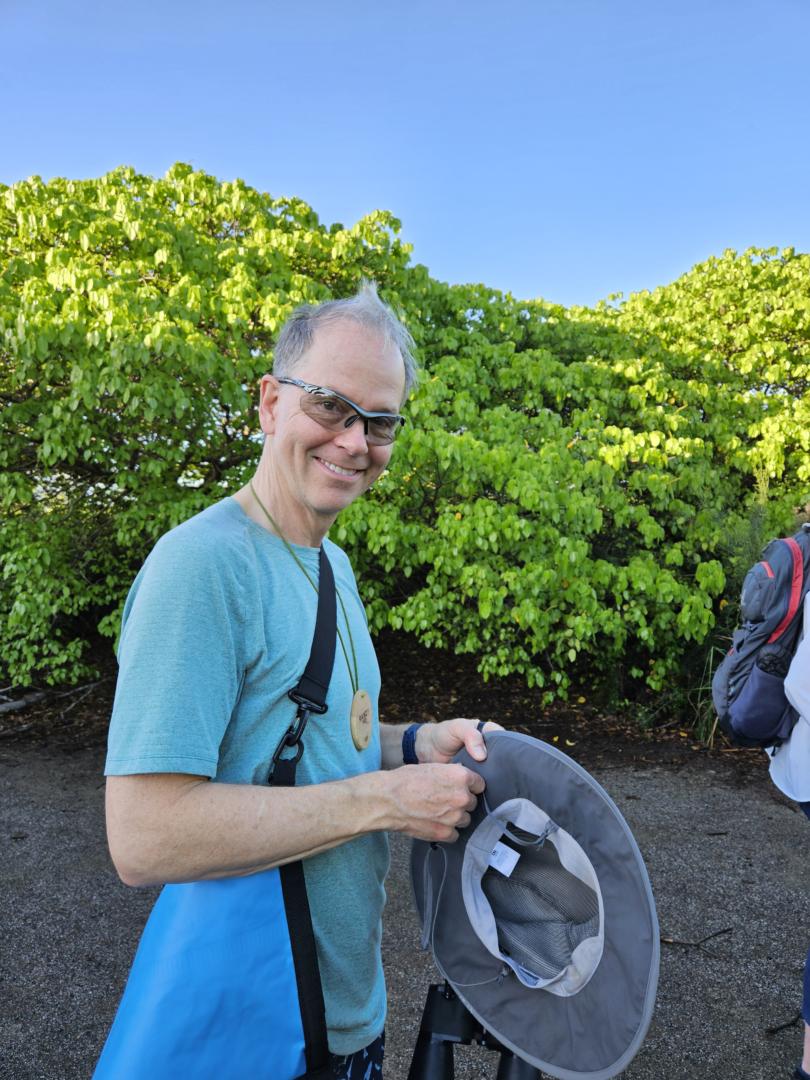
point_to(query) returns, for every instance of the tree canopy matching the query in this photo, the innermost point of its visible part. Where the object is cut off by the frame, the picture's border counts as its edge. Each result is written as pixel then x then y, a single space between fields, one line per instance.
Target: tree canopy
pixel 566 500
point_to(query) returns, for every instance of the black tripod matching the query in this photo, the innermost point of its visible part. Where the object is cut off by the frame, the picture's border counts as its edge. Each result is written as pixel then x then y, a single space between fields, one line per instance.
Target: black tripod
pixel 446 1021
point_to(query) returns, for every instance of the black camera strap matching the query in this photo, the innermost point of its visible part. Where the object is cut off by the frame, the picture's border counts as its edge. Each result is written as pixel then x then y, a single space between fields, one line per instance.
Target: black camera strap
pixel 310 697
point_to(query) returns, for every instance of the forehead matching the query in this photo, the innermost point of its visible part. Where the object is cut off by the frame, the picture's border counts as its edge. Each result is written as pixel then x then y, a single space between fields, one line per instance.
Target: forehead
pixel 355 361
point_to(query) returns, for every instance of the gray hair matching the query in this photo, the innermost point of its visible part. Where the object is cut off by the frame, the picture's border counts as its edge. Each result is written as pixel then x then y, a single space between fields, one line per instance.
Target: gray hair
pixel 365 308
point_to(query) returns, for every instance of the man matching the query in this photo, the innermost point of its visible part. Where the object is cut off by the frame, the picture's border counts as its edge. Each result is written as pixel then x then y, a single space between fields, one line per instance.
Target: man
pixel 217 630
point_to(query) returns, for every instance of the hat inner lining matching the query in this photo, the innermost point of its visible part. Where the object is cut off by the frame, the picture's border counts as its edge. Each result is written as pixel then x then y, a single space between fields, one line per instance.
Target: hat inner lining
pixel 545 918
pixel 542 912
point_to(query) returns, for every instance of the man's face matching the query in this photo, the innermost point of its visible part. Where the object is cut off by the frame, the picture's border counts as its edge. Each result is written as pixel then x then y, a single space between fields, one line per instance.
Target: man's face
pixel 318 470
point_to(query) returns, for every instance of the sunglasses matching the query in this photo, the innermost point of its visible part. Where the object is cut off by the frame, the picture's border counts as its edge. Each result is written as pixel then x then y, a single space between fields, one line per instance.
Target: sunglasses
pixel 333 411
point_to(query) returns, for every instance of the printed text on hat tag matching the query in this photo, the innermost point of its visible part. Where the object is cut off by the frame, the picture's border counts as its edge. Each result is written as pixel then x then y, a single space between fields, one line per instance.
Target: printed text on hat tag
pixel 504 859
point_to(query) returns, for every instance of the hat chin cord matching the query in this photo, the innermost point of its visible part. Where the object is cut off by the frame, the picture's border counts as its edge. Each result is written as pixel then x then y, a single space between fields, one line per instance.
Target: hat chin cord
pixel 432 912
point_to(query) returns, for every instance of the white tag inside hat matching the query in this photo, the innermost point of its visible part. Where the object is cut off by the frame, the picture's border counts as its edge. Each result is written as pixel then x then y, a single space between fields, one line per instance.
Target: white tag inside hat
pixel 504 859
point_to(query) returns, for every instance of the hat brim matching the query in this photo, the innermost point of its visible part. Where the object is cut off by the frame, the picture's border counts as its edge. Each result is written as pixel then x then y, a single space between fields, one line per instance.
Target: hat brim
pixel 595 1033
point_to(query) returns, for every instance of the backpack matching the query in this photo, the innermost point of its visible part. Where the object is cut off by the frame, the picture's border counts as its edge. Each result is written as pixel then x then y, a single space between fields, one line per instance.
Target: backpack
pixel 748 688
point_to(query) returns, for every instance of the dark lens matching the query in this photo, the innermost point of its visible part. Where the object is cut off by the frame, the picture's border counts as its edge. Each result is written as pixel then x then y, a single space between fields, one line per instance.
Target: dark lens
pixel 383 429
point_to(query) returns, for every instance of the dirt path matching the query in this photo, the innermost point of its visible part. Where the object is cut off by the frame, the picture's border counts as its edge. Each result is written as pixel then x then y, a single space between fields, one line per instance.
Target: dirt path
pixel 725 853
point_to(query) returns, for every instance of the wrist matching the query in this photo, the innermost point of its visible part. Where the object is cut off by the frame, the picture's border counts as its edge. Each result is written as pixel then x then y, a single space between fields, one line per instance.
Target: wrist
pixel 371 804
pixel 409 753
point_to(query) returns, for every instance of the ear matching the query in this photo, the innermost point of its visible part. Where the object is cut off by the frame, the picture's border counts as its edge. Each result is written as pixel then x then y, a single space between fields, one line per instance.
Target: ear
pixel 268 403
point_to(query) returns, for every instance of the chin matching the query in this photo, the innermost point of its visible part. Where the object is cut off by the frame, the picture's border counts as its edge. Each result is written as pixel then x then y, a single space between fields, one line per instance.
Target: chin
pixel 334 507
pixel 331 503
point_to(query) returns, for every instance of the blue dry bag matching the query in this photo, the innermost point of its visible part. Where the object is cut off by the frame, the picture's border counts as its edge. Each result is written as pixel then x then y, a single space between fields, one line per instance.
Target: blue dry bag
pixel 225 982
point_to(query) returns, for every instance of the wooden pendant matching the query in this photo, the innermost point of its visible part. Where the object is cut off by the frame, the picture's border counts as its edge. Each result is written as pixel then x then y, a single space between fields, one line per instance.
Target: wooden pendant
pixel 360 720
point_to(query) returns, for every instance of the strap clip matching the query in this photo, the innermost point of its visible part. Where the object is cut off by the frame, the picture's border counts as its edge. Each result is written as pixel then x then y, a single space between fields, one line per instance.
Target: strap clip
pixel 291 738
pixel 305 704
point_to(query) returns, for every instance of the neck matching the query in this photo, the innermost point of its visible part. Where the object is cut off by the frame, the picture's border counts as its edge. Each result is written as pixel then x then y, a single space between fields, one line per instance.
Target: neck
pixel 295 523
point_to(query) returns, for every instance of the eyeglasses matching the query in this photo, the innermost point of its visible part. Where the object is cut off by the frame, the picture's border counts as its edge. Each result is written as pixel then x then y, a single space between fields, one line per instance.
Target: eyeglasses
pixel 333 411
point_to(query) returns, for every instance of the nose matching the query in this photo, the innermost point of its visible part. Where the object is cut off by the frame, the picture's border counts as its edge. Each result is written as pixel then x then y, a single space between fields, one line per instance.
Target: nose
pixel 352 436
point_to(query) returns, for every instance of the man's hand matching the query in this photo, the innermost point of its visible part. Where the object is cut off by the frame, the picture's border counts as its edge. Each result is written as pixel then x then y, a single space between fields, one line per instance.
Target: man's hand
pixel 431 802
pixel 434 799
pixel 439 743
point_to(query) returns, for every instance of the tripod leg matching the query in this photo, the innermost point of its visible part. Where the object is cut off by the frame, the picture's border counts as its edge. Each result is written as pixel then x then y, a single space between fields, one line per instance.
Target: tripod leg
pixel 432 1058
pixel 445 1021
pixel 514 1068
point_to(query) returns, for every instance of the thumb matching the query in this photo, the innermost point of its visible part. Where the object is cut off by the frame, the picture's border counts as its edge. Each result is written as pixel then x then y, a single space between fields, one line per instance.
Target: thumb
pixel 476 747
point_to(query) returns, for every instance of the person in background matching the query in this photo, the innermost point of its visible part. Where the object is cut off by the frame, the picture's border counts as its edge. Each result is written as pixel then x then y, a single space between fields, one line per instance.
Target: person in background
pixel 217 629
pixel 790 771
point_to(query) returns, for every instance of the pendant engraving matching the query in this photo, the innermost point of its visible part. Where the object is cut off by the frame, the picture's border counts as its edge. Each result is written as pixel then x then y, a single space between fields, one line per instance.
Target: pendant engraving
pixel 360 720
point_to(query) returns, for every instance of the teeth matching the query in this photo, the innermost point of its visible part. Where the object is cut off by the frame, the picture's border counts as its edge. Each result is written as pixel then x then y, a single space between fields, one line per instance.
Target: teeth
pixel 337 469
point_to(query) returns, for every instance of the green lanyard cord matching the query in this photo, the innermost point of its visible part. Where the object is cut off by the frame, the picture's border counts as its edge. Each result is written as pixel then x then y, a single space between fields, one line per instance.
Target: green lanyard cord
pixel 354 676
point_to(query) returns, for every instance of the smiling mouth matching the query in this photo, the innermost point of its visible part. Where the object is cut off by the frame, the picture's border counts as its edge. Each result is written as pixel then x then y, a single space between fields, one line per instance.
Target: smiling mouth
pixel 336 469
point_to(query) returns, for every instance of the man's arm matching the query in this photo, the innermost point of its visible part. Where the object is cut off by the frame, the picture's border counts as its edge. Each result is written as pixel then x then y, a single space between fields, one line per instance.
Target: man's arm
pixel 167 827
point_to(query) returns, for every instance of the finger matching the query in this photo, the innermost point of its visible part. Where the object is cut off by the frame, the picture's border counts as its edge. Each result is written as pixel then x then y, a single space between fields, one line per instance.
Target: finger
pixel 476 747
pixel 474 740
pixel 475 783
pixel 489 725
pixel 437 833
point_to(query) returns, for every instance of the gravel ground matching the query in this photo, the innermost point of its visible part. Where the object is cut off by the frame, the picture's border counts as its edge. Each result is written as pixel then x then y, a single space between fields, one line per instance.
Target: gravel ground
pixel 726 854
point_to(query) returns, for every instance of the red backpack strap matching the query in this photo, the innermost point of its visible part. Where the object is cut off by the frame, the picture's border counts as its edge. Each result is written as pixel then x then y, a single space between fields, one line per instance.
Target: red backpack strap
pixel 795 588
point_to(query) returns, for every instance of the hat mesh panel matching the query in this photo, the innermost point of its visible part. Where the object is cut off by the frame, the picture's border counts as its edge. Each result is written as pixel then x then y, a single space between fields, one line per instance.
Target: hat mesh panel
pixel 542 911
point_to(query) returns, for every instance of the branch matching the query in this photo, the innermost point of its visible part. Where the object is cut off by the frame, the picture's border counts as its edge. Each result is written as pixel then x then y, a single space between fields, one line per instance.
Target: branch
pixel 700 943
pixel 88 689
pixel 35 696
pixel 23 702
pixel 15 730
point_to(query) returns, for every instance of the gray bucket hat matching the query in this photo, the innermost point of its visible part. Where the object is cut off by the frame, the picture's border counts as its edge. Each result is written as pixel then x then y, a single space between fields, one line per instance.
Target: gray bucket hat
pixel 541 916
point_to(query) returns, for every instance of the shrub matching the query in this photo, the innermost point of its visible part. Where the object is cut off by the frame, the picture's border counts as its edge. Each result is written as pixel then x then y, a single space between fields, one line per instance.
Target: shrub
pixel 135 317
pixel 561 500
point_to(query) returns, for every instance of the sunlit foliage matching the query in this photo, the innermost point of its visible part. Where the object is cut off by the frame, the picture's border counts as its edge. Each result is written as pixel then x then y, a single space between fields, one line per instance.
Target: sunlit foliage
pixel 563 494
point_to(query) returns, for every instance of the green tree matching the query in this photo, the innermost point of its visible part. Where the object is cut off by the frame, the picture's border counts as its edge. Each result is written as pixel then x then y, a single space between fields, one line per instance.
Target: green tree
pixel 135 317
pixel 568 497
pixel 563 496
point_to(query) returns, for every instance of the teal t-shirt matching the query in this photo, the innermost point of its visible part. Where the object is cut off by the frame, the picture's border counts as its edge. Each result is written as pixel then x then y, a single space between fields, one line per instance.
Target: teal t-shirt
pixel 217 628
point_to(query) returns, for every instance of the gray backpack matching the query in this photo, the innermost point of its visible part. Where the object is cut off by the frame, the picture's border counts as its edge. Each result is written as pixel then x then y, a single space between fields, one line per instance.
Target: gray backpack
pixel 748 687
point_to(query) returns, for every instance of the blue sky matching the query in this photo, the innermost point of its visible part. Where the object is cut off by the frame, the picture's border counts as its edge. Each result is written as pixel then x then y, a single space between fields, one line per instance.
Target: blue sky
pixel 567 149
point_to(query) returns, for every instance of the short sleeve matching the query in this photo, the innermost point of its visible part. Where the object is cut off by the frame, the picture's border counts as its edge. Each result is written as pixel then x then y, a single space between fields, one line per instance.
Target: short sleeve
pixel 797 682
pixel 181 659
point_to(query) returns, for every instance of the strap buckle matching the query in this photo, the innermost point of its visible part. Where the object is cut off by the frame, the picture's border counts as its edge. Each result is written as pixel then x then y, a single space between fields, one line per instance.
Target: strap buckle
pixel 305 704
